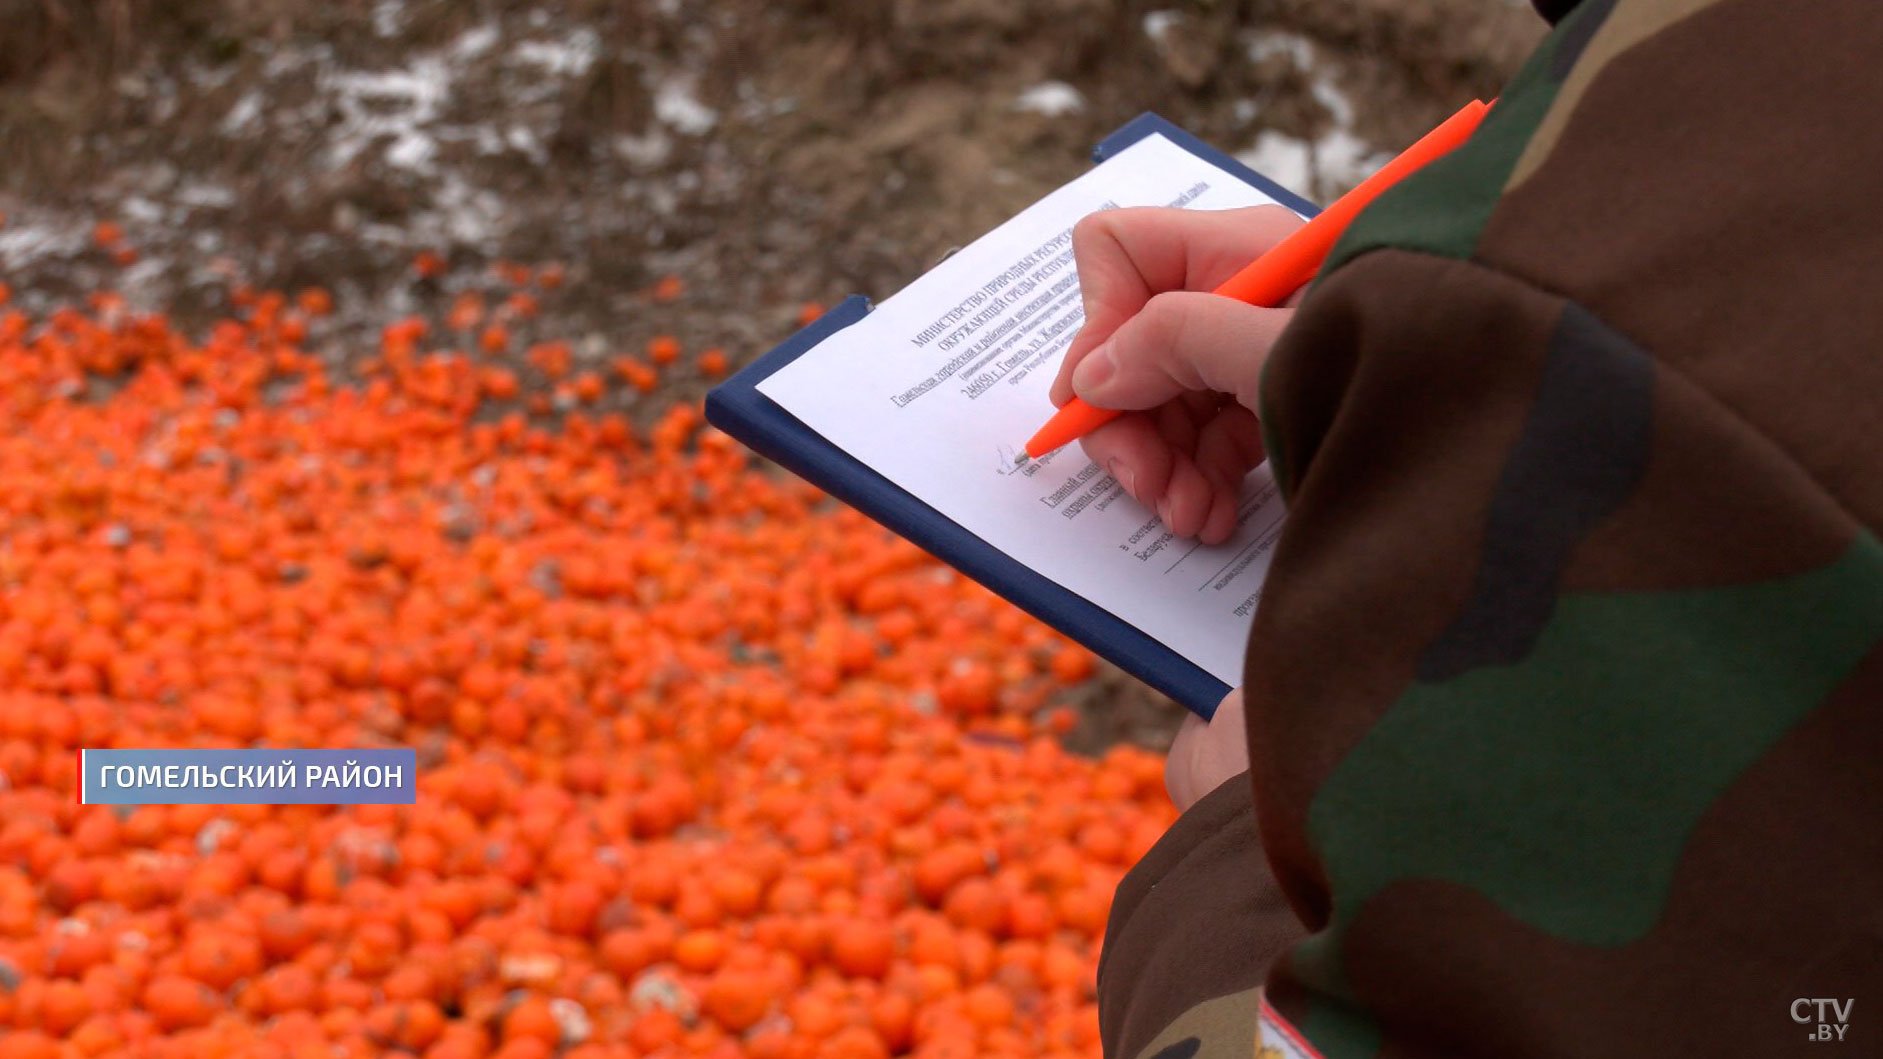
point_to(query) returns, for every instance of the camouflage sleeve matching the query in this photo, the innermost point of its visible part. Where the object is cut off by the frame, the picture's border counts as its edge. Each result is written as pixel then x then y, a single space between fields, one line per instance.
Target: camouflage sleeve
pixel 1566 691
pixel 1193 930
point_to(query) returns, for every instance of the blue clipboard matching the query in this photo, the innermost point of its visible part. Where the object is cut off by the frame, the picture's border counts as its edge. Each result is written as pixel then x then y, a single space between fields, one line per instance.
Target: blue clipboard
pixel 738 408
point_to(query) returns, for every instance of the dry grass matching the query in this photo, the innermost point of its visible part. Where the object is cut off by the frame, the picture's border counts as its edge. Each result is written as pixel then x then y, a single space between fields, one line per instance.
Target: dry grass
pixel 60 58
pixel 100 37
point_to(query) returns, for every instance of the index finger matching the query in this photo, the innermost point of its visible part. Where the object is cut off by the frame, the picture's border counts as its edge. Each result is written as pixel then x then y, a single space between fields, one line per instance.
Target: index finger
pixel 1127 256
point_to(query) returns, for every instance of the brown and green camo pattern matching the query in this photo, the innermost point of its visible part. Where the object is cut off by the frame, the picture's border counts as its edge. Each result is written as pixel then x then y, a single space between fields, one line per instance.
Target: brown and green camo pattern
pixel 1566 690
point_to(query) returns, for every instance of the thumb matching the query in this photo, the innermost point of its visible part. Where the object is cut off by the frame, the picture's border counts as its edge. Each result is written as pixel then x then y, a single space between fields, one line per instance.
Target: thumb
pixel 1180 341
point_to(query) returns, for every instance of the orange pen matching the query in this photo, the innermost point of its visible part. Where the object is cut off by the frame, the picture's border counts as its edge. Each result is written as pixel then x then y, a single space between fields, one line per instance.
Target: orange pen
pixel 1269 280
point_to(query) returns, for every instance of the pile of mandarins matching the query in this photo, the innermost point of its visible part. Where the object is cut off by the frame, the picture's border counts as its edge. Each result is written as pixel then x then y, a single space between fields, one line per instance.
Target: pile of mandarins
pixel 709 765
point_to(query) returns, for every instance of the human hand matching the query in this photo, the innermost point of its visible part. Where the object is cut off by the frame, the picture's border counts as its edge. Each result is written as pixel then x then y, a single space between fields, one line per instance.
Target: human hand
pixel 1206 753
pixel 1183 362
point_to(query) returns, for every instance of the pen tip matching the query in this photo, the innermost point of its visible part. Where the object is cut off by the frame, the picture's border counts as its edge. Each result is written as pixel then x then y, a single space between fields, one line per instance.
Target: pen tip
pixel 1021 460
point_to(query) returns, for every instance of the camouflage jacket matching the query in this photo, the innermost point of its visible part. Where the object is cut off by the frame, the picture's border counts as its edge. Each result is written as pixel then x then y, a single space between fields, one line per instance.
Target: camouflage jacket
pixel 1565 694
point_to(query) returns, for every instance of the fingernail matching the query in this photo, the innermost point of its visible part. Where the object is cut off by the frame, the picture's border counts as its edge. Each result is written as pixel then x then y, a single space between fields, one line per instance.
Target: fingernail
pixel 1163 511
pixel 1124 476
pixel 1095 370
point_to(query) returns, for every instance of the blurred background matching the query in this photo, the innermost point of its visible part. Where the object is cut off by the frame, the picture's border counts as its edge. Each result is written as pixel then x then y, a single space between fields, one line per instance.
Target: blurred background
pixel 769 152
pixel 712 170
pixel 765 157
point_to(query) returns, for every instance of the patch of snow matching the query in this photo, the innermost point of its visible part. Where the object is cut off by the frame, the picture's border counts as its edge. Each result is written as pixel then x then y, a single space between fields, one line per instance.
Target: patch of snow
pixel 1266 44
pixel 395 105
pixel 1335 101
pixel 141 210
pixel 412 152
pixel 1287 160
pixel 282 63
pixel 475 42
pixel 388 17
pixel 461 214
pixel 1325 166
pixel 207 78
pixel 524 140
pixel 243 115
pixel 376 234
pixel 572 56
pixel 210 196
pixel 20 245
pixel 1342 159
pixel 142 277
pixel 1158 24
pixel 1051 98
pixel 646 151
pixel 676 105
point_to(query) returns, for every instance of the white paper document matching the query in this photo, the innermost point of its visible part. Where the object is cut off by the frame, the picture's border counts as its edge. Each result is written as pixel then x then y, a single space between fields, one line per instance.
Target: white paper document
pixel 939 387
